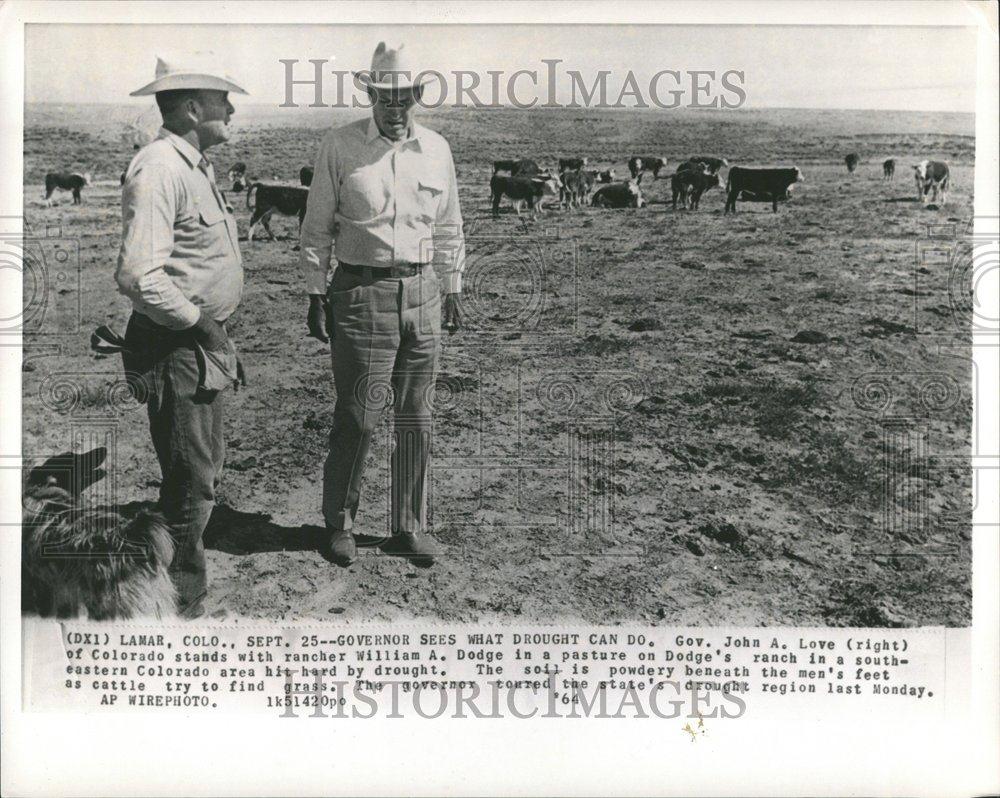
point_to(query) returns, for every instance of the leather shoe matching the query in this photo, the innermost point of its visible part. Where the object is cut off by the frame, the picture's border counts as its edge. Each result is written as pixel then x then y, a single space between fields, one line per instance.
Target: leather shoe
pixel 418 549
pixel 343 550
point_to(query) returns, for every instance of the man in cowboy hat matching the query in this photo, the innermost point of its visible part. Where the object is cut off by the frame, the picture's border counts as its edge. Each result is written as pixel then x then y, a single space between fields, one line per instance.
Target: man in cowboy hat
pixel 385 189
pixel 180 266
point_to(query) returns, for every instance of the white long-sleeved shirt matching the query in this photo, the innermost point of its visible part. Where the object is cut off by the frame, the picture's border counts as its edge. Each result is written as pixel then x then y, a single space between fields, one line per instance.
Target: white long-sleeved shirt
pixel 179 256
pixel 384 203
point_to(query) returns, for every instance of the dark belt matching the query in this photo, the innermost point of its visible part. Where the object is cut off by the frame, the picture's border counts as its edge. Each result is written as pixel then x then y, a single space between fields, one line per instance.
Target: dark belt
pixel 381 272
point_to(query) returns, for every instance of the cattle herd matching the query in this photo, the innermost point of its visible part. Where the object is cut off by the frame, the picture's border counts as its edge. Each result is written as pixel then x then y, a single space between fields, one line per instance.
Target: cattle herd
pixel 569 185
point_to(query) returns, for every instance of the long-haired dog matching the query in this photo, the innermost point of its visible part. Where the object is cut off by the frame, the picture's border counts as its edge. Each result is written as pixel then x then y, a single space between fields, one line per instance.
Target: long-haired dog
pixel 77 560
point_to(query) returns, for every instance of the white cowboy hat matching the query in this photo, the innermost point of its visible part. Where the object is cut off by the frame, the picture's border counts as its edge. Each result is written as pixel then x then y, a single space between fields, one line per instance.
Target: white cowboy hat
pixel 391 70
pixel 189 71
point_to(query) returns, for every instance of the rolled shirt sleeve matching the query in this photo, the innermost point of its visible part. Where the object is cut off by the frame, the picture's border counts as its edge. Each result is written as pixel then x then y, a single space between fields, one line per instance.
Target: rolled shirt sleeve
pixel 449 239
pixel 149 207
pixel 319 225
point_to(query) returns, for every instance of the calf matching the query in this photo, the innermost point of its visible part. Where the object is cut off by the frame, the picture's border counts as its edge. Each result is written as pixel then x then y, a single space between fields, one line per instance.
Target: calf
pixel 932 176
pixel 237 172
pixel 265 199
pixel 760 185
pixel 606 176
pixel 712 164
pixel 65 181
pixel 852 162
pixel 619 195
pixel 571 164
pixel 638 164
pixel 889 169
pixel 690 185
pixel 521 190
pixel 306 176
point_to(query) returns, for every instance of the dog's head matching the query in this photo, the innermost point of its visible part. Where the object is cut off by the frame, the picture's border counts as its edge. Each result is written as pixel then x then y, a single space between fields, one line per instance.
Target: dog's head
pixel 73 473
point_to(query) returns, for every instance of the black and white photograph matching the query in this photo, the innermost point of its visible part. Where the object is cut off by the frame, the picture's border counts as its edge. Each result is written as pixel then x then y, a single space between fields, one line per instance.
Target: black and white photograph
pixel 414 343
pixel 663 345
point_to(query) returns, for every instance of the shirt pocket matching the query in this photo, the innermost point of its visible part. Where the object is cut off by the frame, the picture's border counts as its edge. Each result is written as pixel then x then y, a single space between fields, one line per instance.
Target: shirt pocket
pixel 363 194
pixel 430 191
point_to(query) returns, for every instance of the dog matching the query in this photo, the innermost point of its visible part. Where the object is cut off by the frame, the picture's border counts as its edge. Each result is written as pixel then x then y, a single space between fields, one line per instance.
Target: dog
pixel 78 561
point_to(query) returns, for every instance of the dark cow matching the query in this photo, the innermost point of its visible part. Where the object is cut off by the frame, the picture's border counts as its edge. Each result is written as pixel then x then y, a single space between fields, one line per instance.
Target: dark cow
pixel 932 176
pixel 574 189
pixel 852 162
pixel 889 169
pixel 507 166
pixel 571 164
pixel 605 176
pixel 265 199
pixel 690 185
pixel 638 164
pixel 306 176
pixel 521 190
pixel 711 163
pixel 760 185
pixel 65 181
pixel 619 195
pixel 692 166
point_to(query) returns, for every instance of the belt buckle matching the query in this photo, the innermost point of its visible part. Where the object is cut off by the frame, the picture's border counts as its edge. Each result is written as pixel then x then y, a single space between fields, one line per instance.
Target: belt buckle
pixel 403 270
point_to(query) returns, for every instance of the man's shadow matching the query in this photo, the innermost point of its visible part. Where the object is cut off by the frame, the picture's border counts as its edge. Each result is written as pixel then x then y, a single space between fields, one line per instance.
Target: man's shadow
pixel 238 533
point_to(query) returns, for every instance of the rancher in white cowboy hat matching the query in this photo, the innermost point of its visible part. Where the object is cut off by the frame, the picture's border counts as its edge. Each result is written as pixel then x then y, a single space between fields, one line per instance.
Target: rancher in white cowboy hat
pixel 180 266
pixel 385 189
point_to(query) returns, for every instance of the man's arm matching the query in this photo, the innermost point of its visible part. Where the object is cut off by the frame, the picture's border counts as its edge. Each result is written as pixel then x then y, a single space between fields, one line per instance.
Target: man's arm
pixel 149 208
pixel 316 239
pixel 449 244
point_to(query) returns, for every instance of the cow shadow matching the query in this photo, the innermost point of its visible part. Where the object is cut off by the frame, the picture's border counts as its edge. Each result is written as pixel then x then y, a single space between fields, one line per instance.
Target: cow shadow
pixel 901 199
pixel 240 533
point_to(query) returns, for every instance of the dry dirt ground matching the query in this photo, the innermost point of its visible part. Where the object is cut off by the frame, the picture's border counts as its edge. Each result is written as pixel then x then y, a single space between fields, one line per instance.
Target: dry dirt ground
pixel 654 416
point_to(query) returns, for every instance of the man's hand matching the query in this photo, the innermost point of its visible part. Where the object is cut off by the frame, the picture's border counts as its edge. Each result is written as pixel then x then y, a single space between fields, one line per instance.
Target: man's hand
pixel 452 312
pixel 320 318
pixel 210 334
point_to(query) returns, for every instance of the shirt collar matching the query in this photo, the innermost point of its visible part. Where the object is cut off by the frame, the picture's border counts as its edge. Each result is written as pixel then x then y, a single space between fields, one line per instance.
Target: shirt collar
pixel 413 140
pixel 188 151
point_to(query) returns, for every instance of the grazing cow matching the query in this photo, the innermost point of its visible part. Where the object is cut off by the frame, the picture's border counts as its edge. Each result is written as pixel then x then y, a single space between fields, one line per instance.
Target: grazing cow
pixel 690 185
pixel 760 185
pixel 638 164
pixel 852 162
pixel 932 176
pixel 237 173
pixel 66 182
pixel 712 164
pixel 619 195
pixel 507 166
pixel 79 560
pixel 574 188
pixel 306 176
pixel 889 169
pixel 267 198
pixel 571 164
pixel 523 191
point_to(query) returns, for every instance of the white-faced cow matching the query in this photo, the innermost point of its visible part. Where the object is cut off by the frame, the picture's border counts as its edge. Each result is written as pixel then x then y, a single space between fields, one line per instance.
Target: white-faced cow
pixel 711 163
pixel 65 181
pixel 889 169
pixel 265 199
pixel 237 174
pixel 619 195
pixel 760 185
pixel 638 164
pixel 571 164
pixel 932 176
pixel 523 191
pixel 852 162
pixel 689 185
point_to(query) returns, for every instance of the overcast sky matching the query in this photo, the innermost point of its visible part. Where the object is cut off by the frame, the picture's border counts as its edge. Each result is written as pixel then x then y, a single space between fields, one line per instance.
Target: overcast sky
pixel 928 69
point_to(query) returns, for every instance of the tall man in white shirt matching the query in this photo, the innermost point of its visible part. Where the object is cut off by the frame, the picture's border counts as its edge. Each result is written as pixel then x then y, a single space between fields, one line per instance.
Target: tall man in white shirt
pixel 180 265
pixel 385 189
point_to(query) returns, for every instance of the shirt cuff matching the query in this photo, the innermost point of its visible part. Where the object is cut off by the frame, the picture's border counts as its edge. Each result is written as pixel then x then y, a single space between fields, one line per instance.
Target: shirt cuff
pixel 315 281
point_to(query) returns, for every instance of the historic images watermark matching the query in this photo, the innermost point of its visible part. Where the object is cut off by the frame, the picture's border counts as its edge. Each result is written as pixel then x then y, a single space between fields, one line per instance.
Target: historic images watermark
pixel 546 87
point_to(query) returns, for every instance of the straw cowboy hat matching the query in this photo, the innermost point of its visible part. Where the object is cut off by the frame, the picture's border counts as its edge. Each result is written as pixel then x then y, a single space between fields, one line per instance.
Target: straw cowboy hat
pixel 189 71
pixel 391 69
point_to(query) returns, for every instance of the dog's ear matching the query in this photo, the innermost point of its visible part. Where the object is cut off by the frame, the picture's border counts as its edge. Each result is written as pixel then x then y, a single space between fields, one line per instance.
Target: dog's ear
pixel 73 473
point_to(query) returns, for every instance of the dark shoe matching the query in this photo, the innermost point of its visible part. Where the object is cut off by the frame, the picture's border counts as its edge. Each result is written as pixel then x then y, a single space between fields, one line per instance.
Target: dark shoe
pixel 418 549
pixel 343 550
pixel 189 610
